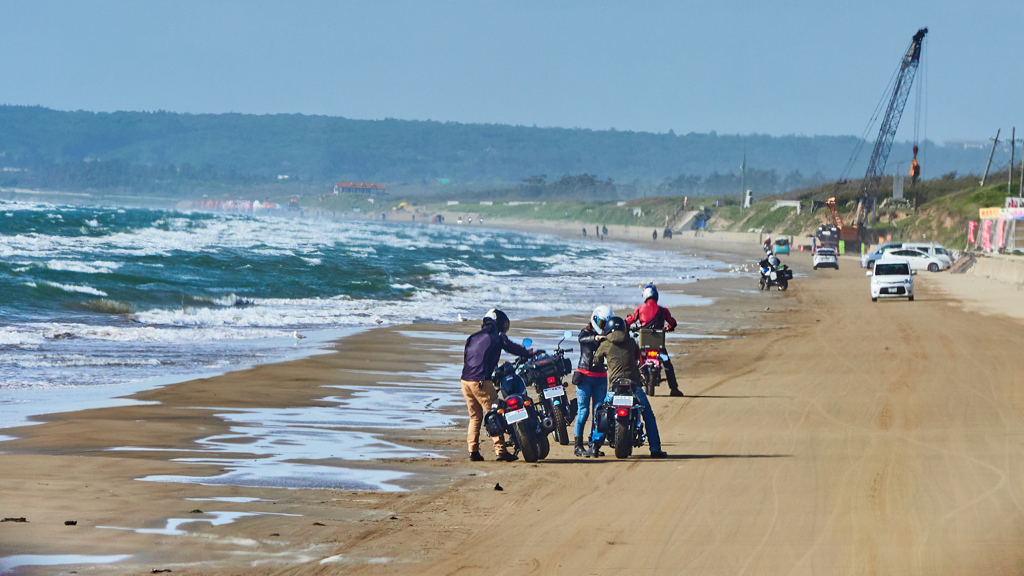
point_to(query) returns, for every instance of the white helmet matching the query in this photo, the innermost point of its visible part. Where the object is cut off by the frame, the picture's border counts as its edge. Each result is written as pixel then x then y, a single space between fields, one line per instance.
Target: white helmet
pixel 650 291
pixel 600 319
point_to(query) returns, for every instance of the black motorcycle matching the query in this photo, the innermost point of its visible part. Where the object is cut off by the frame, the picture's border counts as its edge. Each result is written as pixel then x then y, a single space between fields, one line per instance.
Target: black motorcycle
pixel 545 373
pixel 773 276
pixel 620 420
pixel 515 415
pixel 651 342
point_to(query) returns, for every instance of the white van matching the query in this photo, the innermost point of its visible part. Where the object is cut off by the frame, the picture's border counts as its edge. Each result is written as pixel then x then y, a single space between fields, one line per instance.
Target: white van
pixel 892 278
pixel 932 249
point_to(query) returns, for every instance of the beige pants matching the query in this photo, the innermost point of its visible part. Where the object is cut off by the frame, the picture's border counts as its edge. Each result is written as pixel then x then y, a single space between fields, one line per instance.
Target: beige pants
pixel 479 397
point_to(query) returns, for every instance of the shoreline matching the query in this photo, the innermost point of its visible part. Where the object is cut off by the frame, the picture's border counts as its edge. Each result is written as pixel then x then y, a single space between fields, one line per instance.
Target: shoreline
pixel 736 446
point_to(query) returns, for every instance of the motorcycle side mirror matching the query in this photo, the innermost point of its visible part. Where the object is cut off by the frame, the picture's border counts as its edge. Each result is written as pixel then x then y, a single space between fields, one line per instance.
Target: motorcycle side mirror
pixel 567 334
pixel 527 343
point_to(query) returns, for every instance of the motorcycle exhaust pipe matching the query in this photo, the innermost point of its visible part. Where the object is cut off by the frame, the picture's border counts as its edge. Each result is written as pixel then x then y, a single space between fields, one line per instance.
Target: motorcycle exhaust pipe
pixel 548 423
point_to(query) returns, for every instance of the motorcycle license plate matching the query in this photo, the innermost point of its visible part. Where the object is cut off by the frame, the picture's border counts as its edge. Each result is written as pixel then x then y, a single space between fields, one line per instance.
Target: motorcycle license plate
pixel 516 415
pixel 554 392
pixel 622 401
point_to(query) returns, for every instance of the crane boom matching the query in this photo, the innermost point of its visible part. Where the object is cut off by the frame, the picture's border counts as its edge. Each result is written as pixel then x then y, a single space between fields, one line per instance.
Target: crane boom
pixel 891 121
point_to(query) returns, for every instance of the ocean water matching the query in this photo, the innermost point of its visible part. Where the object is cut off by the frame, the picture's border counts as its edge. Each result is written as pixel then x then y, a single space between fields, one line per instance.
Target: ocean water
pixel 110 297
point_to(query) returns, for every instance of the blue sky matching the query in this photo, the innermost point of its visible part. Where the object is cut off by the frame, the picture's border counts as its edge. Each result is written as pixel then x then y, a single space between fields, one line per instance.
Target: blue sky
pixel 806 67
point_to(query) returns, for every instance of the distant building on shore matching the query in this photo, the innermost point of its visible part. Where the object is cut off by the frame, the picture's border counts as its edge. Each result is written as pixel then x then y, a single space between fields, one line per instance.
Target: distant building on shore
pixel 371 188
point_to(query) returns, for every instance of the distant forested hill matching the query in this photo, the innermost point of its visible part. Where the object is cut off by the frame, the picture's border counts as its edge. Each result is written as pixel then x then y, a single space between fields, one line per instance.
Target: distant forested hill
pixel 148 146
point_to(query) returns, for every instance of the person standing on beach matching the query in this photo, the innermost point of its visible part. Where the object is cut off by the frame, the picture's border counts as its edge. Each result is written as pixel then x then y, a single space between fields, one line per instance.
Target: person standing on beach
pixel 622 356
pixel 590 378
pixel 652 316
pixel 483 350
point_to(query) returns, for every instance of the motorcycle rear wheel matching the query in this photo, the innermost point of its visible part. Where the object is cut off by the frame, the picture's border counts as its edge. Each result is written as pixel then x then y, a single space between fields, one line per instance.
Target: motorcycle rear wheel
pixel 561 428
pixel 783 284
pixel 543 447
pixel 623 436
pixel 525 440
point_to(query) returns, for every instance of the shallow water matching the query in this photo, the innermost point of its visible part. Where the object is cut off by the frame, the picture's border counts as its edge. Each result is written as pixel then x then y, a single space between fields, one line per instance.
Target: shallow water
pixel 173 526
pixel 11 562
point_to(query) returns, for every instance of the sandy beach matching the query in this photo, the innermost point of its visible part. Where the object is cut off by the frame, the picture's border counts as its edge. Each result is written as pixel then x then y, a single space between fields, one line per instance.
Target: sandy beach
pixel 821 433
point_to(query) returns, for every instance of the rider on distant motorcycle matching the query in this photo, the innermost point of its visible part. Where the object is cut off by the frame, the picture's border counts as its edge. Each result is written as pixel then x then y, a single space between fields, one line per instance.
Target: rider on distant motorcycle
pixel 591 378
pixel 621 354
pixel 483 349
pixel 652 316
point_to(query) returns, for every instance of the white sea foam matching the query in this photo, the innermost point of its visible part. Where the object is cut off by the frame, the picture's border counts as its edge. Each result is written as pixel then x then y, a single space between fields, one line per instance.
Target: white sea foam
pixel 95 267
pixel 76 288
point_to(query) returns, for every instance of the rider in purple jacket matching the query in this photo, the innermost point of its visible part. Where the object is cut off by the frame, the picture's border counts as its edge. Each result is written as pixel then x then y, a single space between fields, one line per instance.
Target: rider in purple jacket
pixel 483 349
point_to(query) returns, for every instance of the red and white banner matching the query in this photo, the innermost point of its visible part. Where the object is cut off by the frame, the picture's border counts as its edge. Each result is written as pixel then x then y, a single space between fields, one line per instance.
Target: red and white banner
pixel 986 235
pixel 999 234
pixel 971 227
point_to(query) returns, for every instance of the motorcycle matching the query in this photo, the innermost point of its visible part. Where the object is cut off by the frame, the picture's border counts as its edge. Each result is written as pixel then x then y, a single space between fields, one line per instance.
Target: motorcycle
pixel 620 421
pixel 652 342
pixel 774 276
pixel 515 416
pixel 545 372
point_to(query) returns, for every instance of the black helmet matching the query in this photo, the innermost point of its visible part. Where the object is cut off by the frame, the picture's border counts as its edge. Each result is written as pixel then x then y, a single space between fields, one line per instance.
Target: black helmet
pixel 617 323
pixel 499 318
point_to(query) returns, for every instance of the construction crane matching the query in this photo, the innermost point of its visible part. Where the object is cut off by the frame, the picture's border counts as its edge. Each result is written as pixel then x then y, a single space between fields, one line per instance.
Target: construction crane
pixel 890 122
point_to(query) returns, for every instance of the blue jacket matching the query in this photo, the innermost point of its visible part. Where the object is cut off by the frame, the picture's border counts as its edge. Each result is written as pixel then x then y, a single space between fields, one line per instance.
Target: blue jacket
pixel 483 350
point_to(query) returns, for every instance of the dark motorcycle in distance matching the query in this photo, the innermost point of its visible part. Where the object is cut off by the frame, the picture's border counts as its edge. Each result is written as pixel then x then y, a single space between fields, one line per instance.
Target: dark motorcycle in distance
pixel 651 342
pixel 515 415
pixel 545 373
pixel 620 420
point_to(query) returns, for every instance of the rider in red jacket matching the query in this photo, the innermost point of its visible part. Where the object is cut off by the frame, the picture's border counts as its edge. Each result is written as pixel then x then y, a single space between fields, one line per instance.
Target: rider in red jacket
pixel 653 316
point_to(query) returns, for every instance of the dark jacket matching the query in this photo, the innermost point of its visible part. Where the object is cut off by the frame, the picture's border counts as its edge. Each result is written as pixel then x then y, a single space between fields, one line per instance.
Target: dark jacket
pixel 588 346
pixel 483 350
pixel 622 356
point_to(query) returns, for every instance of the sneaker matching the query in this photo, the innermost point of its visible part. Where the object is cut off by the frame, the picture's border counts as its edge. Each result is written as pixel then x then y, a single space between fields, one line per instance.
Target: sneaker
pixel 475 456
pixel 506 457
pixel 675 392
pixel 659 454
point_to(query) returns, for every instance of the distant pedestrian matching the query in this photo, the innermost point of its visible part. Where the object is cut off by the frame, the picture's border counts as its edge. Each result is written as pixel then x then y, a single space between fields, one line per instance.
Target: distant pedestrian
pixel 654 235
pixel 604 230
pixel 584 232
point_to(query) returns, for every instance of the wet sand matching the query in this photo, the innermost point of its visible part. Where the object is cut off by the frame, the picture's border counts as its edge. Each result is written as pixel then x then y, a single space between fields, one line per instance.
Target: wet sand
pixel 826 434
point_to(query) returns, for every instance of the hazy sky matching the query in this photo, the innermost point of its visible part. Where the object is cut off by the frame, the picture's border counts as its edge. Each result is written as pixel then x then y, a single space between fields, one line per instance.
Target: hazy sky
pixel 784 67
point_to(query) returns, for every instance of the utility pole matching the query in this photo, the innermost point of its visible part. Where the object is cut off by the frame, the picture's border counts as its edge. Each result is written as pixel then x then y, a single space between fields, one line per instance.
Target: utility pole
pixel 743 182
pixel 1009 180
pixel 1020 191
pixel 989 165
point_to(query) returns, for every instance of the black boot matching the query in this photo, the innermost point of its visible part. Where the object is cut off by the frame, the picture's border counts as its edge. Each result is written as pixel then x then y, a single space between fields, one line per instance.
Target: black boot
pixel 595 449
pixel 580 450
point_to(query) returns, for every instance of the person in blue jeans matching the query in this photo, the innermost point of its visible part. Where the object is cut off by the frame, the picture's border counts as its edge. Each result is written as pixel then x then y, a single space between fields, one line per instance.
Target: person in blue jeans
pixel 590 378
pixel 621 355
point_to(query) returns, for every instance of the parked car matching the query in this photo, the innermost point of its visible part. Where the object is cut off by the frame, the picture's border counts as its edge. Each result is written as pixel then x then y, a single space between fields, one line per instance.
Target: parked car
pixel 825 257
pixel 920 260
pixel 892 277
pixel 782 246
pixel 932 249
pixel 868 260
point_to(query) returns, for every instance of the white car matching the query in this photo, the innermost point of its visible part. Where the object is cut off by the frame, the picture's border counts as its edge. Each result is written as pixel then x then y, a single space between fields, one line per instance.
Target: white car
pixel 932 249
pixel 825 257
pixel 892 278
pixel 919 260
